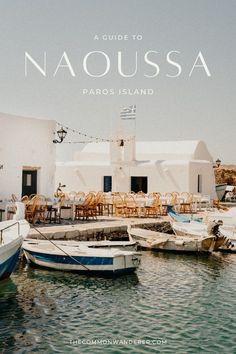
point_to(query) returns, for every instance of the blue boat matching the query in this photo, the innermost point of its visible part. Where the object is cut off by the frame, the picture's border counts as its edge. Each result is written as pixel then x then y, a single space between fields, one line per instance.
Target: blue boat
pixel 80 258
pixel 180 218
pixel 12 234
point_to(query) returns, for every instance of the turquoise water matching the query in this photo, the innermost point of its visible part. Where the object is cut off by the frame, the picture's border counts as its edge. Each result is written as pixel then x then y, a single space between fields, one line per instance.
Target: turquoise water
pixel 174 304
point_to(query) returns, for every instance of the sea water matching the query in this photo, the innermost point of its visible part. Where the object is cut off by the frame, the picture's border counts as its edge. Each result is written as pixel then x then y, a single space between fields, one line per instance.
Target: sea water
pixel 173 304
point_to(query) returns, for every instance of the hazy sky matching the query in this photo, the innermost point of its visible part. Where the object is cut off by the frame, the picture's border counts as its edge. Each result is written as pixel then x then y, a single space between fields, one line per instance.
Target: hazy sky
pixel 196 107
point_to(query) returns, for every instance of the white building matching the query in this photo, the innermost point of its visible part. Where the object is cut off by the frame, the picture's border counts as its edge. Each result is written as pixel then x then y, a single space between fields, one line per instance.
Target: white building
pixel 28 163
pixel 27 156
pixel 148 166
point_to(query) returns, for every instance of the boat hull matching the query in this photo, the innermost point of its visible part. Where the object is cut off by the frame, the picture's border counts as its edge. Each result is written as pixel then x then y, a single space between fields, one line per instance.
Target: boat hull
pixel 180 246
pixel 220 190
pixel 123 262
pixel 199 231
pixel 164 242
pixel 12 233
pixel 9 255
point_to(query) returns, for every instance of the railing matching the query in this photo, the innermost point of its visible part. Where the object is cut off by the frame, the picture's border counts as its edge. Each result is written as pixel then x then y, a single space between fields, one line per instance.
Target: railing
pixel 8 227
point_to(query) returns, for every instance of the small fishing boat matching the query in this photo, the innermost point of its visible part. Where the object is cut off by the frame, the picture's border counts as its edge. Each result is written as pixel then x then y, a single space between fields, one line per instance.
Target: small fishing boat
pixel 166 242
pixel 180 217
pixel 12 233
pixel 220 190
pixel 130 245
pixel 189 229
pixel 194 229
pixel 228 217
pixel 202 230
pixel 80 258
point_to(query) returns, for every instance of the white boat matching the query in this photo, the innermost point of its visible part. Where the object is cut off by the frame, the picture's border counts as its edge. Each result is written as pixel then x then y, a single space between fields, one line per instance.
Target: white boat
pixel 220 190
pixel 201 229
pixel 228 217
pixel 189 229
pixel 12 233
pixel 195 229
pixel 166 242
pixel 130 245
pixel 80 258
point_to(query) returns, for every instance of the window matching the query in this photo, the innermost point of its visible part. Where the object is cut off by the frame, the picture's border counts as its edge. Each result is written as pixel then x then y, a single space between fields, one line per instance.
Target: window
pixel 199 183
pixel 107 183
pixel 28 180
pixel 139 184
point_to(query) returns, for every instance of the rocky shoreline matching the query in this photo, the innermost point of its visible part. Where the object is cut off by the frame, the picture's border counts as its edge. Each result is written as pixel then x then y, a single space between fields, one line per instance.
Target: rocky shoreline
pixel 226 174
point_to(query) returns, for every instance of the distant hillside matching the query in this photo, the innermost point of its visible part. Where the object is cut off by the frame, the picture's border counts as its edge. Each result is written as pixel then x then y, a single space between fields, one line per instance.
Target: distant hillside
pixel 226 174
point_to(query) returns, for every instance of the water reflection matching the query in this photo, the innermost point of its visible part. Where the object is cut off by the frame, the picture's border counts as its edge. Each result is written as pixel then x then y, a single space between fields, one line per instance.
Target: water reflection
pixel 216 261
pixel 172 296
pixel 11 314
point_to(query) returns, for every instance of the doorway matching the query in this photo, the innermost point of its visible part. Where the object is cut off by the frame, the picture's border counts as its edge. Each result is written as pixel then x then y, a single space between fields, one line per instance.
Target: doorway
pixel 29 182
pixel 139 184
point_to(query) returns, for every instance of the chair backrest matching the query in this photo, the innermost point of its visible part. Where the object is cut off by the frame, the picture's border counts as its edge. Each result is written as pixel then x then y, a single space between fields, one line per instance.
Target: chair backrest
pixel 31 205
pixel 188 197
pixel 153 201
pixel 129 200
pixel 89 199
pixel 14 198
pixel 42 200
pixel 100 197
pixel 117 199
pixel 25 199
pixel 141 193
pixel 175 193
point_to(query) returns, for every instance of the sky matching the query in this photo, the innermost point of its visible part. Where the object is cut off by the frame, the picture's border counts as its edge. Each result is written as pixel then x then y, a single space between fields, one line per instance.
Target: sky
pixel 181 108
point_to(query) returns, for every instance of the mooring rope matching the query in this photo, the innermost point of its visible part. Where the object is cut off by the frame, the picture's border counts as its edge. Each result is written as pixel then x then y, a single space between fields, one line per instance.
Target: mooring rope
pixel 67 254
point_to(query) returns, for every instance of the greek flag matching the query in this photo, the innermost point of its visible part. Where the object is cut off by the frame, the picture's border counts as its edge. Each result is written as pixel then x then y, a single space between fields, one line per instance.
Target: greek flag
pixel 128 112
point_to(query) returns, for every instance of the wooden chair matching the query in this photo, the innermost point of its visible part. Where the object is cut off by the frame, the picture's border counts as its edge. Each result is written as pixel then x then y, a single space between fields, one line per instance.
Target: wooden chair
pixel 40 209
pixel 119 205
pixel 31 196
pixel 141 193
pixel 25 199
pixel 87 209
pixel 80 194
pixel 154 209
pixel 186 206
pixel 131 207
pixel 14 198
pixel 99 200
pixel 107 204
pixel 30 209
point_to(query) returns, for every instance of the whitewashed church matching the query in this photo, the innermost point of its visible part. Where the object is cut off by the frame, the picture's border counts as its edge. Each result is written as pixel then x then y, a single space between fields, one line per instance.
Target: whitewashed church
pixel 127 165
pixel 28 163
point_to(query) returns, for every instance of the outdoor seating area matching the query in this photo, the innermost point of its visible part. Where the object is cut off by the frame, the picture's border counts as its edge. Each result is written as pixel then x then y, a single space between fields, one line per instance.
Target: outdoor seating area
pixel 81 206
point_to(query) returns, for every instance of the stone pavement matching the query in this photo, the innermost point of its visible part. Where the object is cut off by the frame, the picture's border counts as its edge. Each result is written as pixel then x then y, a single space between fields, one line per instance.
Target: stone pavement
pixel 91 229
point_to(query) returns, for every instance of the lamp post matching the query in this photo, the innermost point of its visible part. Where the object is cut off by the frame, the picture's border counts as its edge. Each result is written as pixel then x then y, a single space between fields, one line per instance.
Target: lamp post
pixel 61 135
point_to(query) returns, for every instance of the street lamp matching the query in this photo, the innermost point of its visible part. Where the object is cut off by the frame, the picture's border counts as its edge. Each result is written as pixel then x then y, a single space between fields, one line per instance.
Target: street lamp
pixel 61 135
